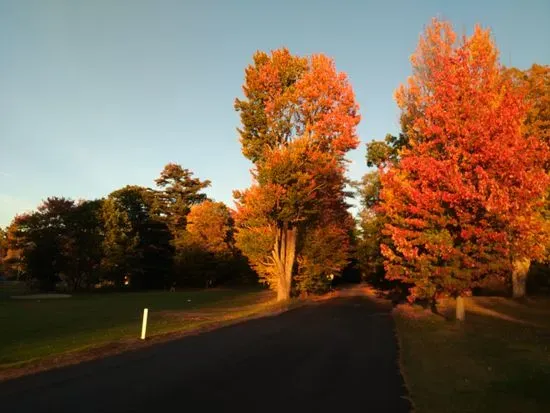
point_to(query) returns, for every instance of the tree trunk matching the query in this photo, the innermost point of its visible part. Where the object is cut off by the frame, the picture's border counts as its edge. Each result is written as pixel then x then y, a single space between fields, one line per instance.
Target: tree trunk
pixel 433 304
pixel 460 313
pixel 284 254
pixel 520 268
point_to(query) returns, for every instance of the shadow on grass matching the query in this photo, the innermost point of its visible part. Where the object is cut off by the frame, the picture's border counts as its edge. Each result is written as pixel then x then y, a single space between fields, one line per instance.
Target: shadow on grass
pixel 497 360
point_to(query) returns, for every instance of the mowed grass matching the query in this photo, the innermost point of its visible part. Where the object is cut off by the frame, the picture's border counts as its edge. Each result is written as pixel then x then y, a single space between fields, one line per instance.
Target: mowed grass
pixel 497 361
pixel 31 330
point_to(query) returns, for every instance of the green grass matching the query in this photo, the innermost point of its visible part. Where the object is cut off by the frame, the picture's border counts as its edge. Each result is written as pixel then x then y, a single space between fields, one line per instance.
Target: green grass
pixel 9 288
pixel 31 330
pixel 497 361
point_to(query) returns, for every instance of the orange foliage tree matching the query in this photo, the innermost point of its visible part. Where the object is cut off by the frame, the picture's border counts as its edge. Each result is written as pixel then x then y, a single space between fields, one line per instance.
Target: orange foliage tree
pixel 205 250
pixel 298 117
pixel 465 198
pixel 535 84
pixel 3 250
pixel 13 261
pixel 210 225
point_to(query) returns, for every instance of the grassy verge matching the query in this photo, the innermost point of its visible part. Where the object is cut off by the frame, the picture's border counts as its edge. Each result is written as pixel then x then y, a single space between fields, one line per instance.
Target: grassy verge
pixel 497 361
pixel 34 330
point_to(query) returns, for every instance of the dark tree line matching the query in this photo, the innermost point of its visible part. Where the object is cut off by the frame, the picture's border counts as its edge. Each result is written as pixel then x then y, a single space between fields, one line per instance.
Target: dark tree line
pixel 136 237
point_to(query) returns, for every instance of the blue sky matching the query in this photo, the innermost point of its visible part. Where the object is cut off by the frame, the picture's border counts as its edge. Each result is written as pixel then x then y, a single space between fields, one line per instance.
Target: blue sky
pixel 98 94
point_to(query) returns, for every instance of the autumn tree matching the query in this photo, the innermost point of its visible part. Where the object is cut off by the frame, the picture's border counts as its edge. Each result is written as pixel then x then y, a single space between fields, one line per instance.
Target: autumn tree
pixel 13 260
pixel 464 198
pixel 3 250
pixel 177 192
pixel 211 225
pixel 298 121
pixel 535 84
pixel 205 253
pixel 324 252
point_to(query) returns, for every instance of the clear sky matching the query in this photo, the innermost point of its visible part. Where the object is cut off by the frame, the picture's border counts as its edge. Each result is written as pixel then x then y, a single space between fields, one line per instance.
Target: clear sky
pixel 98 94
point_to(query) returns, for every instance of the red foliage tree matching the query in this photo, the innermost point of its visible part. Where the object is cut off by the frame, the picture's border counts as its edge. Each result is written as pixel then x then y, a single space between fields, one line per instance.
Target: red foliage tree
pixel 465 198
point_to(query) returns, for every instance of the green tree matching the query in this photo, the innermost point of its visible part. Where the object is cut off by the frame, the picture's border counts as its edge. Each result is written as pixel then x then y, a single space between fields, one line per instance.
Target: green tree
pixel 60 241
pixel 178 191
pixel 371 223
pixel 383 155
pixel 41 238
pixel 120 242
pixel 83 244
pixel 386 152
pixel 142 221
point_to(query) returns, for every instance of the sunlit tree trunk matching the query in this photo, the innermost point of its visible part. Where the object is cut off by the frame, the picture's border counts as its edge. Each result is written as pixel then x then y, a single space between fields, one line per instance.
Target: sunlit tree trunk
pixel 520 268
pixel 460 312
pixel 284 254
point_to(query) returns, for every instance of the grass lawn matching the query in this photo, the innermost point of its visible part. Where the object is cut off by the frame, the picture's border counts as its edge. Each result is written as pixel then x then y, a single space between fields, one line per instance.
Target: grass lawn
pixel 31 330
pixel 497 361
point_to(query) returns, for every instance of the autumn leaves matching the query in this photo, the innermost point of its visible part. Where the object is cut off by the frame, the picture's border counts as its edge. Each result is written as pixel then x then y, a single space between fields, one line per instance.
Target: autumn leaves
pixel 298 120
pixel 465 199
pixel 461 190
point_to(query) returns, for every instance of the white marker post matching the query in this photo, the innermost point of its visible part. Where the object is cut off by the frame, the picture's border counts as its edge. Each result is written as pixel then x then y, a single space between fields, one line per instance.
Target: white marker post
pixel 144 324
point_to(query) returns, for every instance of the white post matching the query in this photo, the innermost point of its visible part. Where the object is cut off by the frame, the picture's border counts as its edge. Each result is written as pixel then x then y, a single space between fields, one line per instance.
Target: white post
pixel 144 324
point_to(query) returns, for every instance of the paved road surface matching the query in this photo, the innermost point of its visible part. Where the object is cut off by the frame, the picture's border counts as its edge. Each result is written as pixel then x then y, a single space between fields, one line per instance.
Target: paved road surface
pixel 335 356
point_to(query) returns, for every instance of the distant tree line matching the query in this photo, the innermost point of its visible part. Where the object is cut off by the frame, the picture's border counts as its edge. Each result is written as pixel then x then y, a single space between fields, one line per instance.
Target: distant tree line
pixel 136 237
